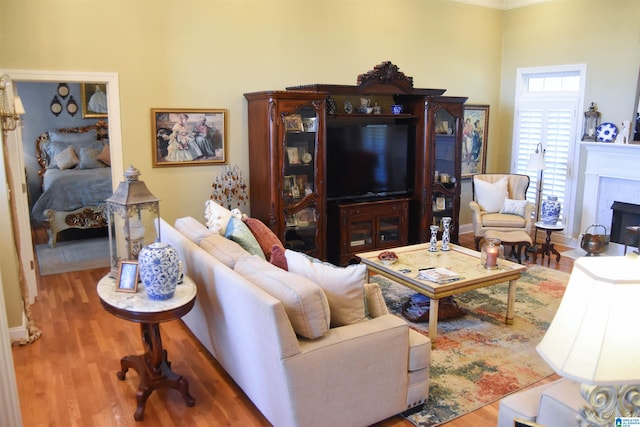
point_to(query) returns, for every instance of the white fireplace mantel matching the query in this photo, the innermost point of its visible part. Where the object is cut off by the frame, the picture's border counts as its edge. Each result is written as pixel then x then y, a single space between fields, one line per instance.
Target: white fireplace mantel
pixel 612 173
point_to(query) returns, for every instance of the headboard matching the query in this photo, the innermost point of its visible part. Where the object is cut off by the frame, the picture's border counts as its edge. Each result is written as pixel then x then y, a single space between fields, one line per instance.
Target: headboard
pixel 100 129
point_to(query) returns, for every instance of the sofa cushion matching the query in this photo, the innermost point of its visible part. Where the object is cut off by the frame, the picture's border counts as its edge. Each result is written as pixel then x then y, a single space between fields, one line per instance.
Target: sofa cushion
pixel 513 207
pixel 503 220
pixel 304 302
pixel 344 286
pixel 216 216
pixel 192 228
pixel 224 250
pixel 491 196
pixel 263 234
pixel 240 233
pixel 376 305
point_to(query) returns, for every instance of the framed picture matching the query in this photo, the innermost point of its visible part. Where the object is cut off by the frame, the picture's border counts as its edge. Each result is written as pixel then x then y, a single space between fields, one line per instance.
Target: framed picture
pixel 474 140
pixel 310 124
pixel 127 280
pixel 181 137
pixel 293 123
pixel 294 155
pixel 93 97
pixel 440 203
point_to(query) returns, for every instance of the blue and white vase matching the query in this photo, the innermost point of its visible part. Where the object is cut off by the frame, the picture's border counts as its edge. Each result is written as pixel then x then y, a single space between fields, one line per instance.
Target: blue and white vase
pixel 159 270
pixel 550 210
pixel 446 223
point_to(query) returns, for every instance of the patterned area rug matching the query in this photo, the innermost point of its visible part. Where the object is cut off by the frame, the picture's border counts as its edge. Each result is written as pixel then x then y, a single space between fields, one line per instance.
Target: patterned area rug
pixel 478 359
pixel 73 255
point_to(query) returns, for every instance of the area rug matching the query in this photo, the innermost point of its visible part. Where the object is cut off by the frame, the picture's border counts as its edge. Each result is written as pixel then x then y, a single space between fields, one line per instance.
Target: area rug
pixel 73 255
pixel 478 359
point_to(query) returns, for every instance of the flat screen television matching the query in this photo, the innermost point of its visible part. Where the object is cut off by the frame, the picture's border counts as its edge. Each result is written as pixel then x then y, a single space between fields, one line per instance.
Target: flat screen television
pixel 369 160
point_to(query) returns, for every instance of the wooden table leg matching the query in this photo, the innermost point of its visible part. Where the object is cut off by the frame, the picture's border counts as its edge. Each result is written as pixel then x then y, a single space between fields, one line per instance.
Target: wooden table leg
pixel 433 320
pixel 154 370
pixel 511 302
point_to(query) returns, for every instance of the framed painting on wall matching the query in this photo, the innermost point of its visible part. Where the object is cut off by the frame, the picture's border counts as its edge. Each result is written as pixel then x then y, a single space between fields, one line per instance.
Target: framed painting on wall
pixel 474 140
pixel 188 137
pixel 93 97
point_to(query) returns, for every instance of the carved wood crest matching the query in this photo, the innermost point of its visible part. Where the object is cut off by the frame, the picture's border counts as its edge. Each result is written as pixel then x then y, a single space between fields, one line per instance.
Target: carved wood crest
pixel 383 73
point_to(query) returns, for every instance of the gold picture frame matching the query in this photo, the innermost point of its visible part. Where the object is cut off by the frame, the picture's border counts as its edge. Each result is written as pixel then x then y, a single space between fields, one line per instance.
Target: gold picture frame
pixel 93 97
pixel 127 280
pixel 475 132
pixel 293 123
pixel 188 137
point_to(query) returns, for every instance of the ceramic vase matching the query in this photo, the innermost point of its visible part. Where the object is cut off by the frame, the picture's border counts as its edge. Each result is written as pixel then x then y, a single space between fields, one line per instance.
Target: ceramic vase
pixel 446 223
pixel 433 243
pixel 550 210
pixel 159 269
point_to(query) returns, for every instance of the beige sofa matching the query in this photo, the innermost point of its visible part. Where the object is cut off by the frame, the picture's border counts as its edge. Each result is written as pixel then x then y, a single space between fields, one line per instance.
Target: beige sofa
pixel 352 375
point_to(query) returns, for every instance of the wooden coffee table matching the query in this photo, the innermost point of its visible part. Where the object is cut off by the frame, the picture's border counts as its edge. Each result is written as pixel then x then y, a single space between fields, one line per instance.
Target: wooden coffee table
pixel 465 262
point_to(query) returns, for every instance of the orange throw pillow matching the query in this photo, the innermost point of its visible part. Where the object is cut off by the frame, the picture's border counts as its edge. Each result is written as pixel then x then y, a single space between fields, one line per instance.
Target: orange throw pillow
pixel 263 234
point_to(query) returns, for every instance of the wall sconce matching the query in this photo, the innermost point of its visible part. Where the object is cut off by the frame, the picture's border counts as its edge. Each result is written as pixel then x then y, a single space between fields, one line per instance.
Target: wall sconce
pixel 11 107
pixel 134 207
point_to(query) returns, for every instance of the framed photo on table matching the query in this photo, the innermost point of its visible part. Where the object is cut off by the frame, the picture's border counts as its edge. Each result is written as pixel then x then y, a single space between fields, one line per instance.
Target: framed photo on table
pixel 188 137
pixel 474 140
pixel 127 280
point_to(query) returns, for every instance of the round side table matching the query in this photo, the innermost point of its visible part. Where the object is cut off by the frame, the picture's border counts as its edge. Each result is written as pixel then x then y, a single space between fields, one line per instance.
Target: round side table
pixel 547 247
pixel 153 368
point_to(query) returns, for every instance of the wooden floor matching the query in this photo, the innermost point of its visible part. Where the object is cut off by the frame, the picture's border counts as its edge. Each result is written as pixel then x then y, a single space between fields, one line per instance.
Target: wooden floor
pixel 68 376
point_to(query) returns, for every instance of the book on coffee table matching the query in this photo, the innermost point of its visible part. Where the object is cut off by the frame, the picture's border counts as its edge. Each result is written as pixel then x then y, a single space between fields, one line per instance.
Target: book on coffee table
pixel 438 275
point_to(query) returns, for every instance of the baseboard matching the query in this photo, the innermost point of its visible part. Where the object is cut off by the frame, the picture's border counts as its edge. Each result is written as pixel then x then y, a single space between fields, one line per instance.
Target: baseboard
pixel 19 333
pixel 465 229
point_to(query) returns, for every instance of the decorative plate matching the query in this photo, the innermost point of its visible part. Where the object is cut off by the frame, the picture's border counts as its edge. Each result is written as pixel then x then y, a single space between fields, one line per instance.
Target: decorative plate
pixel 306 158
pixel 348 107
pixel 607 132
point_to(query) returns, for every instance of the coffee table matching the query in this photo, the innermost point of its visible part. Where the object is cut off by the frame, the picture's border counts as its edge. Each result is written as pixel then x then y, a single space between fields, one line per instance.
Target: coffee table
pixel 465 262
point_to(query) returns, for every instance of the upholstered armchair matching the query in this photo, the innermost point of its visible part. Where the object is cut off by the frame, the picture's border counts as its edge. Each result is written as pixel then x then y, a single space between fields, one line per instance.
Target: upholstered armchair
pixel 499 203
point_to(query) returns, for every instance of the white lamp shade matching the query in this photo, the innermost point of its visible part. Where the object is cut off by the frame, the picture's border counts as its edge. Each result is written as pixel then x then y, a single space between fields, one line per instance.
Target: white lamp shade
pixel 536 161
pixel 594 337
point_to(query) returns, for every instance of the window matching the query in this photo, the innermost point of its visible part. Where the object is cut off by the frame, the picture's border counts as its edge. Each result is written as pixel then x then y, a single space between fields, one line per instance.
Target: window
pixel 547 113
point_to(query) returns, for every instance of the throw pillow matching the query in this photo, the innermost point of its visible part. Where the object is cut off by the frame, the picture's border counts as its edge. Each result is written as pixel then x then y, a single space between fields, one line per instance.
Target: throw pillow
pixel 278 257
pixel 224 250
pixel 105 155
pixel 304 302
pixel 376 305
pixel 344 286
pixel 66 159
pixel 513 207
pixel 89 158
pixel 240 233
pixel 216 216
pixel 192 228
pixel 490 196
pixel 263 234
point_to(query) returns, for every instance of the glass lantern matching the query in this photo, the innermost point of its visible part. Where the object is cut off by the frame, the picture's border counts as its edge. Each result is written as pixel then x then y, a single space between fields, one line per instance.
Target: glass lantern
pixel 131 211
pixel 492 253
pixel 591 122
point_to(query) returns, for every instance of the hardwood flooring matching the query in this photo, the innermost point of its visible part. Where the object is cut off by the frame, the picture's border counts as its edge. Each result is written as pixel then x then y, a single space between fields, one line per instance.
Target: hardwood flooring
pixel 68 376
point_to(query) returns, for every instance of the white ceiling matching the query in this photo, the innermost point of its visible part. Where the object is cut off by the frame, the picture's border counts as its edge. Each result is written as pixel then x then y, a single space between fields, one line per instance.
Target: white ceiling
pixel 502 4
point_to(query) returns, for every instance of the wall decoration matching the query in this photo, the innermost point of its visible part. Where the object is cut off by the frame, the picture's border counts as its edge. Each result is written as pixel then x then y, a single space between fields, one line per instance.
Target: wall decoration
pixel 188 137
pixel 55 106
pixel 474 140
pixel 72 106
pixel 93 97
pixel 63 90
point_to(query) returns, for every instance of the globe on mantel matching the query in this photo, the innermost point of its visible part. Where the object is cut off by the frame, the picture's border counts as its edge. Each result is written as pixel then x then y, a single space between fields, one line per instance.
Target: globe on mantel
pixel 159 270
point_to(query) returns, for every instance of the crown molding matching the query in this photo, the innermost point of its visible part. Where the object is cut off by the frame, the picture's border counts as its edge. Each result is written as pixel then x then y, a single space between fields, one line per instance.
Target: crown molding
pixel 502 4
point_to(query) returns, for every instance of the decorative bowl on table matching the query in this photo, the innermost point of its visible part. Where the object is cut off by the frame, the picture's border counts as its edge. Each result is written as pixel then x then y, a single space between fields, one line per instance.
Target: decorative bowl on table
pixel 387 257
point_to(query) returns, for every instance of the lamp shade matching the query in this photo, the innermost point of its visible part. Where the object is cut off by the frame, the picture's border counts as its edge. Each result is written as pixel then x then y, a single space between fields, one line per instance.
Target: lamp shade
pixel 536 160
pixel 594 337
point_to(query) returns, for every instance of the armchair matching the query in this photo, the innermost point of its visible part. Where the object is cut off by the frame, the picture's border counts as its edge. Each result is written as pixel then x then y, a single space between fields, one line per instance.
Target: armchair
pixel 499 203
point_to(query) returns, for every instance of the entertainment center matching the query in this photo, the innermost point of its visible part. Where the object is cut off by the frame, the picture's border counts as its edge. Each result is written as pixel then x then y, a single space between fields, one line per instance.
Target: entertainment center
pixel 339 169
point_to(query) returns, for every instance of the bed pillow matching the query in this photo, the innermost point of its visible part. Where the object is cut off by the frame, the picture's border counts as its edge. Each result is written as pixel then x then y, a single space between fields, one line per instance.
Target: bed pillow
pixel 57 136
pixel 66 159
pixel 89 158
pixel 240 233
pixel 105 155
pixel 513 207
pixel 344 286
pixel 491 196
pixel 216 216
pixel 263 234
pixel 304 302
pixel 224 250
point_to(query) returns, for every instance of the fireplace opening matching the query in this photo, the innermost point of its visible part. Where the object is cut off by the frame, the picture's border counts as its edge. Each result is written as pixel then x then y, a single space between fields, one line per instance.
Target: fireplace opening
pixel 624 215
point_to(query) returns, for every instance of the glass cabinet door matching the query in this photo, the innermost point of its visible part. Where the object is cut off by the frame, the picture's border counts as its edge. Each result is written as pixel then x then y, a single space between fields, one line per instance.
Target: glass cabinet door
pixel 389 230
pixel 298 180
pixel 444 172
pixel 361 234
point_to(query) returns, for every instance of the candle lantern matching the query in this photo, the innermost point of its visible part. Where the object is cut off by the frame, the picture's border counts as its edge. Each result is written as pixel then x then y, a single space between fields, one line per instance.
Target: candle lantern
pixel 131 211
pixel 492 251
pixel 591 122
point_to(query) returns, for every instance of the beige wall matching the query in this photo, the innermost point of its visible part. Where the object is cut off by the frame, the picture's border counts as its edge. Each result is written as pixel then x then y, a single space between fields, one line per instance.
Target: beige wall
pixel 206 54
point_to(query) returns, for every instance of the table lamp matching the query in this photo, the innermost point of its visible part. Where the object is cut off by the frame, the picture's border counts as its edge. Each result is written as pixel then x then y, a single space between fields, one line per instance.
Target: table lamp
pixel 594 339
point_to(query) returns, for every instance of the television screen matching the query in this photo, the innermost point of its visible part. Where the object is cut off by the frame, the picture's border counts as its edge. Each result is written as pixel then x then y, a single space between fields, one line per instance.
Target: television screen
pixel 366 160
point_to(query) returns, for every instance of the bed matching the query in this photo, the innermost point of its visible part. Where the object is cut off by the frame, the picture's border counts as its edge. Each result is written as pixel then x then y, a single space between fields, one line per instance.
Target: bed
pixel 76 179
